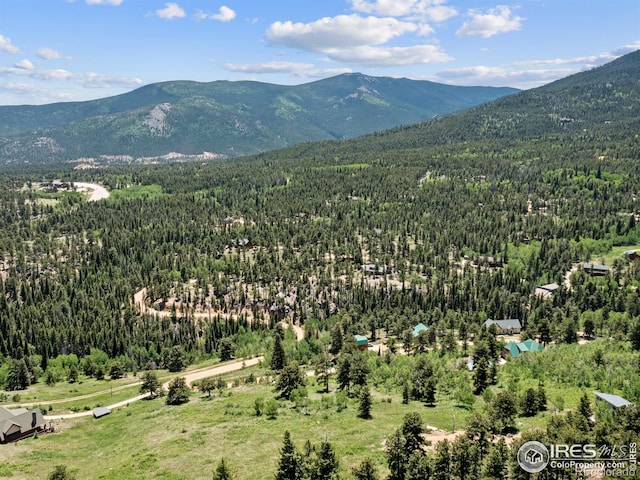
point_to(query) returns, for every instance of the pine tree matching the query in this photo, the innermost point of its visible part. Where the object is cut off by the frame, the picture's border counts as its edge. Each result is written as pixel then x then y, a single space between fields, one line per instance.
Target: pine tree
pixel 222 471
pixel 290 465
pixel 396 456
pixel 278 357
pixel 364 407
pixel 336 339
pixel 178 391
pixel 289 379
pixel 480 376
pixel 365 471
pixel 325 465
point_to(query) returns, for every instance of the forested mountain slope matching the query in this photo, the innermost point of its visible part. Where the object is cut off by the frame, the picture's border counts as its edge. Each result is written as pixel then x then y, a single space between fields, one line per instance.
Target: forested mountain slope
pixel 226 118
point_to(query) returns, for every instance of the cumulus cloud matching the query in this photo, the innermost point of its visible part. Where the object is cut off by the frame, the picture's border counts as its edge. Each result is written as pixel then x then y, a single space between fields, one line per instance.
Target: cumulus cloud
pixel 496 20
pixel 269 67
pixel 341 32
pixel 170 11
pixel 427 10
pixel 33 91
pixel 24 65
pixel 7 46
pixel 50 54
pixel 373 56
pixel 225 14
pixel 357 39
pixel 114 3
pixel 501 76
pixel 26 69
pixel 588 61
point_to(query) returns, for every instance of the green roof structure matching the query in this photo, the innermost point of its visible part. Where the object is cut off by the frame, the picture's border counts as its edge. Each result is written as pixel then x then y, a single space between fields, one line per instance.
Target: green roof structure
pixel 421 327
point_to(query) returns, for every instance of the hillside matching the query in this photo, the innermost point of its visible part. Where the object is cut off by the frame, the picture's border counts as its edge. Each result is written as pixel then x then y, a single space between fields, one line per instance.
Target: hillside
pixel 187 264
pixel 226 118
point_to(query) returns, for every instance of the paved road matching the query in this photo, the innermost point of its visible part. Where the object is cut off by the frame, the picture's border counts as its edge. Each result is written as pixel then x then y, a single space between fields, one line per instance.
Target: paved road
pixel 190 378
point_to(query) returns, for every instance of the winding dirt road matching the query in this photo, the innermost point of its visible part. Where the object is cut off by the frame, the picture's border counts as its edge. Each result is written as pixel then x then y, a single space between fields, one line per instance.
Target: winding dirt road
pixel 96 192
pixel 190 378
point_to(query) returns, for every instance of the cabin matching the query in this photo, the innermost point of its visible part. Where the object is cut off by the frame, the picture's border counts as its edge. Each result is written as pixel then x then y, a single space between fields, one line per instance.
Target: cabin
pixel 510 326
pixel 514 349
pixel 595 270
pixel 362 342
pixel 631 254
pixel 19 423
pixel 373 269
pixel 612 401
pixel 547 290
pixel 421 327
pixel 243 243
pixel 491 262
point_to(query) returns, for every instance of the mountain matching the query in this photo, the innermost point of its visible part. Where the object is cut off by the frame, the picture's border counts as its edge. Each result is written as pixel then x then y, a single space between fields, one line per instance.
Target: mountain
pixel 226 118
pixel 606 99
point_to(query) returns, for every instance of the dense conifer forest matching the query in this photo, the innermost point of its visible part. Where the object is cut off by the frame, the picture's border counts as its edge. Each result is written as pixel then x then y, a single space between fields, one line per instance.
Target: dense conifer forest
pixel 370 236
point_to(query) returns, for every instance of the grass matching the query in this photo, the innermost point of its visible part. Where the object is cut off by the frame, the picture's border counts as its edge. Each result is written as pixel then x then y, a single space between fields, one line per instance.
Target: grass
pixel 138 191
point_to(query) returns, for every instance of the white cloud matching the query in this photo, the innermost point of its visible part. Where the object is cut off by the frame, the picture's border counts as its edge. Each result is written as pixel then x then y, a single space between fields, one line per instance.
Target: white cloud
pixel 114 3
pixel 373 56
pixel 496 20
pixel 356 39
pixel 427 10
pixel 50 54
pixel 93 80
pixel 24 65
pixel 35 92
pixel 341 32
pixel 269 67
pixel 225 15
pixel 587 62
pixel 171 11
pixel 7 46
pixel 501 76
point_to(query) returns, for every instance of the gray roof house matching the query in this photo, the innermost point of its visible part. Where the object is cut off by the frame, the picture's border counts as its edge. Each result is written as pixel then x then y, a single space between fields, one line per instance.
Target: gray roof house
pixel 613 401
pixel 505 327
pixel 19 423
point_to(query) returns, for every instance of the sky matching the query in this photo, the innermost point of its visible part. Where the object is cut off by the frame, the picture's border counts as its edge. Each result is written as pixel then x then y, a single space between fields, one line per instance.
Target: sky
pixel 73 50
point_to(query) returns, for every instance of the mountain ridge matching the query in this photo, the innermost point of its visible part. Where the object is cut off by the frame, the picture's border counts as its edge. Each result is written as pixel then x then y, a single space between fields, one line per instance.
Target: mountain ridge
pixel 228 118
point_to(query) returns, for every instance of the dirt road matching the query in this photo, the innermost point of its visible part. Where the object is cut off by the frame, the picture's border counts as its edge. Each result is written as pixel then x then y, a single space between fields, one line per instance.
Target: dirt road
pixel 97 192
pixel 190 378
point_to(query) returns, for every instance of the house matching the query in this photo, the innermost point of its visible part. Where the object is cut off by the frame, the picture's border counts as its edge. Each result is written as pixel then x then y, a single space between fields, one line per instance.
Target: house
pixel 373 269
pixel 19 423
pixel 547 290
pixel 491 262
pixel 362 342
pixel 505 327
pixel 243 243
pixel 595 270
pixel 631 254
pixel 421 327
pixel 101 412
pixel 516 348
pixel 613 401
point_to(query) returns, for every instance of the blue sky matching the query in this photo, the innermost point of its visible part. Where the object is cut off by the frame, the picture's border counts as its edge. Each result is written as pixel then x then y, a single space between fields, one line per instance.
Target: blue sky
pixel 68 50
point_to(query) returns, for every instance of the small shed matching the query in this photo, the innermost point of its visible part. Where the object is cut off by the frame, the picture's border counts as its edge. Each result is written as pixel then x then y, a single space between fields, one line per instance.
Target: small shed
pixel 101 412
pixel 362 342
pixel 613 401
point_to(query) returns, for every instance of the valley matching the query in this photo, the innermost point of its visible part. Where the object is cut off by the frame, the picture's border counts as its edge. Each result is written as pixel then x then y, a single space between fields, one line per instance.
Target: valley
pixel 416 303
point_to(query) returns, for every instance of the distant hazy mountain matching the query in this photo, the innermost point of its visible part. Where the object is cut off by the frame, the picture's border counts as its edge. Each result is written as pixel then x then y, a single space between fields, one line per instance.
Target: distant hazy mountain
pixel 226 118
